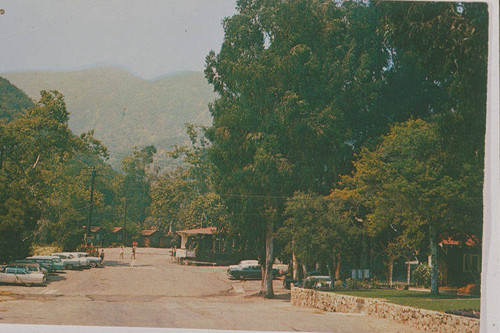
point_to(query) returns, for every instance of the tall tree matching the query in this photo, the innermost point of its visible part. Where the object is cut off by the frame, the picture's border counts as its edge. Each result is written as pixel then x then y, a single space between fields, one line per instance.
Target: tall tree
pixel 137 183
pixel 439 65
pixel 408 187
pixel 287 74
pixel 31 145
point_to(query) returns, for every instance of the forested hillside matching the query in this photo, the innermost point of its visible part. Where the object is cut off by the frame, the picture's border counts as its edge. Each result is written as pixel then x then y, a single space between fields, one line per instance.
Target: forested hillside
pixel 13 101
pixel 123 109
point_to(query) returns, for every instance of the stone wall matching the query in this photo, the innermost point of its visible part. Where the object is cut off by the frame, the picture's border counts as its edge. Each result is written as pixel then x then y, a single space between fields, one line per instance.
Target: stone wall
pixel 431 321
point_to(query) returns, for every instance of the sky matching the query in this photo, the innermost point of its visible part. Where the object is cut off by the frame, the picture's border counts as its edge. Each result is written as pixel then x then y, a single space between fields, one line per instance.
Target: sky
pixel 150 38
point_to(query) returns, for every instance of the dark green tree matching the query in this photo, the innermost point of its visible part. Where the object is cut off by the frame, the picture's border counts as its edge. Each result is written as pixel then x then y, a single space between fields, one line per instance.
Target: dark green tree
pixel 136 183
pixel 31 145
pixel 295 79
pixel 407 187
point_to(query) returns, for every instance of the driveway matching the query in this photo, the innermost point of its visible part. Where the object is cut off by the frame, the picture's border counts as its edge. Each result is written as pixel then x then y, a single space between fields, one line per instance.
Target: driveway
pixel 157 292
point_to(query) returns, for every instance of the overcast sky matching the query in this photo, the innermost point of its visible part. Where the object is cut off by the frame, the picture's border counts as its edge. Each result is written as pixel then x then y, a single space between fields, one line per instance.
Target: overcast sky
pixel 148 37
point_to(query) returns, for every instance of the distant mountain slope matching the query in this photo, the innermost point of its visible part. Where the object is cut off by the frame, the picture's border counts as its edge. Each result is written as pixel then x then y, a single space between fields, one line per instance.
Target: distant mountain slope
pixel 13 101
pixel 126 110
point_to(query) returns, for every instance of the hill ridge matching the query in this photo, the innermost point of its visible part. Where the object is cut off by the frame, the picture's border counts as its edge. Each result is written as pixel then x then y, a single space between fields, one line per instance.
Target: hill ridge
pixel 125 110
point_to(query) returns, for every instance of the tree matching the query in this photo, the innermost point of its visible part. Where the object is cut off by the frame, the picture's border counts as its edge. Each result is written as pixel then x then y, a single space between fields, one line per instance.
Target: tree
pixel 408 188
pixel 439 66
pixel 184 198
pixel 137 182
pixel 317 232
pixel 287 74
pixel 31 145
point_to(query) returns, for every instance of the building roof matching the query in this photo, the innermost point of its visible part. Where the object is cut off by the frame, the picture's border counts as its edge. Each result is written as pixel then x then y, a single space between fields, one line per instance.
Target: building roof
pixel 116 229
pixel 93 228
pixel 202 231
pixel 469 241
pixel 148 232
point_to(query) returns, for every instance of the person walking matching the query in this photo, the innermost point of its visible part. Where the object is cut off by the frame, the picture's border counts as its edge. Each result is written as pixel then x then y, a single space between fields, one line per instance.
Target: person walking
pixel 102 256
pixel 133 257
pixel 122 251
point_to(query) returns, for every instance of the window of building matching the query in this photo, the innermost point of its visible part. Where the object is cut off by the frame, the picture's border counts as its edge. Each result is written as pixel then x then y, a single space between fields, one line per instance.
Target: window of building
pixel 471 263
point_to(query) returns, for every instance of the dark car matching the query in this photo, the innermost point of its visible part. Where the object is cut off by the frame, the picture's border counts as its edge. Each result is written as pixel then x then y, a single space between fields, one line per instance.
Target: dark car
pixel 248 272
pixel 46 262
pixel 32 267
pixel 297 283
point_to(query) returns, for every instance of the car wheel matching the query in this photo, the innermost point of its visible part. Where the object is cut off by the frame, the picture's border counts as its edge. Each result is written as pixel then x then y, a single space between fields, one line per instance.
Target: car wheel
pixel 93 264
pixel 28 284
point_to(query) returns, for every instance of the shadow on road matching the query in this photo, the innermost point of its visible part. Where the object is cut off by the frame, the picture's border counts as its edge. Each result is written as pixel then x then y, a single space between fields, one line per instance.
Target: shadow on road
pixel 52 278
pixel 277 297
pixel 125 263
pixel 283 297
pixel 116 263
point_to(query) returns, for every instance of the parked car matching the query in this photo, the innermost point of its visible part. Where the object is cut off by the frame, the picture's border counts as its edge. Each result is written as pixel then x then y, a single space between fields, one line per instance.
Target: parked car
pixel 84 262
pixel 93 261
pixel 248 272
pixel 18 275
pixel 48 262
pixel 321 282
pixel 68 260
pixel 32 267
pixel 245 263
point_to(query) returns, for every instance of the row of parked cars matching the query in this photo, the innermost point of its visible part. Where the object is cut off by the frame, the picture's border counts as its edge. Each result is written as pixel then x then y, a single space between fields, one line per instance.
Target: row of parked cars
pixel 250 269
pixel 35 269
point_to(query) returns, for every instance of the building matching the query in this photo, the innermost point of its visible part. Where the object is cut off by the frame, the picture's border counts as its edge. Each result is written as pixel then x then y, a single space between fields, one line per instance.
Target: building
pixel 150 238
pixel 460 260
pixel 95 236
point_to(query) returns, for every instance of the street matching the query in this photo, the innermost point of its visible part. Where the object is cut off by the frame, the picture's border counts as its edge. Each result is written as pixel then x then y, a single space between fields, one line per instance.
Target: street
pixel 157 292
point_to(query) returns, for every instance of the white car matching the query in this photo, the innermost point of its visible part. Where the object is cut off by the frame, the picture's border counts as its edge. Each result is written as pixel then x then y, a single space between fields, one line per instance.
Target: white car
pixel 318 282
pixel 244 263
pixel 21 276
pixel 68 260
pixel 92 261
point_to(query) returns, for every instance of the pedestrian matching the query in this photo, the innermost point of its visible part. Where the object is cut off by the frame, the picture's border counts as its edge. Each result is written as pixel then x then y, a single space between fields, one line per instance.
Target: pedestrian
pixel 133 257
pixel 122 251
pixel 102 256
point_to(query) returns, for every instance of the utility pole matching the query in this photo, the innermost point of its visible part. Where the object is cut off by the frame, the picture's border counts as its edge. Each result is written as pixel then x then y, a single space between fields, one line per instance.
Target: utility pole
pixel 92 178
pixel 124 219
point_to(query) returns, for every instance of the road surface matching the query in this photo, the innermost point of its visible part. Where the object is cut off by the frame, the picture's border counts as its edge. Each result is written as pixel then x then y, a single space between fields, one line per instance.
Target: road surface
pixel 157 292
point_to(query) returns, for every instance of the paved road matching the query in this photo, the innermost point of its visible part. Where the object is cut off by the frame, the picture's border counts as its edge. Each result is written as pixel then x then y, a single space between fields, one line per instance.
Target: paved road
pixel 159 293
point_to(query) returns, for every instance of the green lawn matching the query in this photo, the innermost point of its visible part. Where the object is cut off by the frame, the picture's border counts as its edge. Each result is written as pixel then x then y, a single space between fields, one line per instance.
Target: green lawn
pixel 418 299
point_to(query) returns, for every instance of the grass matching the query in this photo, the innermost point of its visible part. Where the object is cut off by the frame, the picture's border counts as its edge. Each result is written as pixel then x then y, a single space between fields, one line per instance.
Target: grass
pixel 418 299
pixel 44 250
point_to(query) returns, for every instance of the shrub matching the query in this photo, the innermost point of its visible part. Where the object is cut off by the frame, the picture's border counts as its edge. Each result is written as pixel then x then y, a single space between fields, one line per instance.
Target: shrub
pixel 316 283
pixel 421 276
pixel 338 284
pixel 353 284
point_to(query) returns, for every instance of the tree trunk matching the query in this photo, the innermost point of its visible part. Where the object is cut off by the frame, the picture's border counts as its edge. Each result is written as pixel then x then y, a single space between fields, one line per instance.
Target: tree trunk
pixel 434 261
pixel 337 269
pixel 295 275
pixel 390 269
pixel 267 277
pixel 304 271
pixel 331 273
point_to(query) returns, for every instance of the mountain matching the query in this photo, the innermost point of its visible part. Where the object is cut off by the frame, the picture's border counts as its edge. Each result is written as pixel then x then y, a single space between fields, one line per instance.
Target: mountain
pixel 13 101
pixel 123 109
